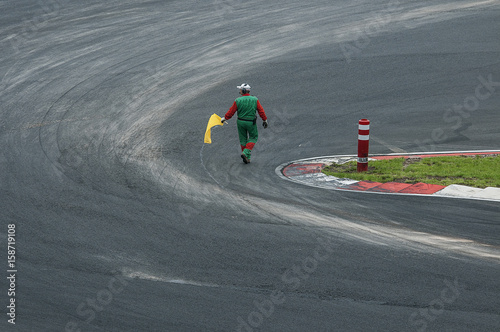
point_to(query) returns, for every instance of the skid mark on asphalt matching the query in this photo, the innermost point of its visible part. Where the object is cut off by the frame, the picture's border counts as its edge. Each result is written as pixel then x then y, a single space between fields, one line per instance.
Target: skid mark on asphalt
pixel 148 276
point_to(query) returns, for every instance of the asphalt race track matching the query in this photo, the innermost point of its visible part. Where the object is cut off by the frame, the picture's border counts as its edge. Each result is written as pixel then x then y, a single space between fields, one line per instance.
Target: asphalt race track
pixel 125 221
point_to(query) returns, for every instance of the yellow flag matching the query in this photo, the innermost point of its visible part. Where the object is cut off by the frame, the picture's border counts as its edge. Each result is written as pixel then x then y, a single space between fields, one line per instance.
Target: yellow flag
pixel 214 121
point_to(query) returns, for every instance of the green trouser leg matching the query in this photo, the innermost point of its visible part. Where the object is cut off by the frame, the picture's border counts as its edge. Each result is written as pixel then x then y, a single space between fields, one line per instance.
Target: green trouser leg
pixel 249 135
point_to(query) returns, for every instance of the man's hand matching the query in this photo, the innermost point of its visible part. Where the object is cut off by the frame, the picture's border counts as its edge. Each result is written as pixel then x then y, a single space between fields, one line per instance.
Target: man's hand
pixel 265 124
pixel 223 120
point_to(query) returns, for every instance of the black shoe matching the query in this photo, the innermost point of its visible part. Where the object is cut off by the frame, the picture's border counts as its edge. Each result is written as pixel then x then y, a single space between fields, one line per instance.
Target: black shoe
pixel 245 159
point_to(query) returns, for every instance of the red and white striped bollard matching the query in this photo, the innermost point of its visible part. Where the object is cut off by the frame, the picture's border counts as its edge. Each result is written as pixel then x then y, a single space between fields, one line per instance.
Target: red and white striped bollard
pixel 363 141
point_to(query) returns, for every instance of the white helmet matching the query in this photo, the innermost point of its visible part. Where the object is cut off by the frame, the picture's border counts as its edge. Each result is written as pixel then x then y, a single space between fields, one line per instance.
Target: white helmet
pixel 244 86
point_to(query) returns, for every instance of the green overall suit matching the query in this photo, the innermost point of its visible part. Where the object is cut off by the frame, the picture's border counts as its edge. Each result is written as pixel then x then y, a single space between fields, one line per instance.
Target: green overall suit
pixel 247 106
pixel 247 123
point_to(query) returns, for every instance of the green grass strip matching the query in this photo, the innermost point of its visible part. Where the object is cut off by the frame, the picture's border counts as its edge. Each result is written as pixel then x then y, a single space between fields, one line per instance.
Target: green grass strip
pixel 475 171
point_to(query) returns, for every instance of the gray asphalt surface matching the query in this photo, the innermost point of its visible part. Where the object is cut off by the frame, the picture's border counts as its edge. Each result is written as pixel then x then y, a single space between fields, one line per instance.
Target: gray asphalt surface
pixel 125 221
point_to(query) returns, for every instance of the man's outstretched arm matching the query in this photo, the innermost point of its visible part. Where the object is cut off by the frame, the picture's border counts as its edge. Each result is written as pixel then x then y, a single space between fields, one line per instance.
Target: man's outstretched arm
pixel 230 113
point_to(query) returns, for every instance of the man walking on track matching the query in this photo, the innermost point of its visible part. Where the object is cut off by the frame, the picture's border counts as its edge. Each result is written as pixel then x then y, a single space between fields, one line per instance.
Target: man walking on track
pixel 247 106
